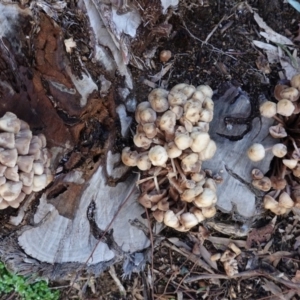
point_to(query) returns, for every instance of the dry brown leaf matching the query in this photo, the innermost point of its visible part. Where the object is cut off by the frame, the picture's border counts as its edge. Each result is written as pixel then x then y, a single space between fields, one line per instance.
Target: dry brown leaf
pixel 222 243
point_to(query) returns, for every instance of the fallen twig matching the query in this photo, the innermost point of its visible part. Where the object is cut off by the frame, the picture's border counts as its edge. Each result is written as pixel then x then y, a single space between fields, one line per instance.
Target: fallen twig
pixel 114 276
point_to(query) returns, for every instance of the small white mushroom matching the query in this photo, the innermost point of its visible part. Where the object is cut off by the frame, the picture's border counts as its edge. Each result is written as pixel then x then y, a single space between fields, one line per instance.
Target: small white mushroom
pixel 16 203
pixel 182 141
pixel 170 219
pixel 43 139
pixel 189 194
pixel 147 115
pixel 210 184
pixel 165 55
pixel 290 93
pixel 27 189
pixel 178 111
pixel 143 162
pixel 7 140
pixel 10 190
pixel 256 152
pixel 158 100
pixel 208 152
pixel 208 104
pixel 198 214
pixel 209 212
pixel 206 115
pixel 2 180
pixel 150 130
pixel 268 109
pixel 191 163
pixel 9 157
pixel 172 150
pixel 206 199
pixel 167 124
pixel 2 169
pixel 12 173
pixel 290 163
pixel 206 90
pixel 177 99
pixel 158 155
pixel 25 163
pixel 200 141
pixel 26 178
pixel 22 145
pixel 199 96
pixel 139 108
pixel 38 167
pixel 10 123
pixel 285 200
pixel 188 220
pixel 129 158
pixel 295 81
pixel 141 141
pixel 39 182
pixel 3 204
pixel 279 150
pixel 285 107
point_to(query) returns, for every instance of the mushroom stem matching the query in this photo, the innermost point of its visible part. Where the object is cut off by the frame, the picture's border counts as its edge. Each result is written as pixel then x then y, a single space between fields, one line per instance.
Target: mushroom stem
pixel 295 145
pixel 173 166
pixel 278 119
pixel 175 185
pixel 178 167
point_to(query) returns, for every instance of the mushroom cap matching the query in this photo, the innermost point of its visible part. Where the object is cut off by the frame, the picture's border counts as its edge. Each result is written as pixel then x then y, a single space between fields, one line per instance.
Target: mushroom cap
pixel 290 93
pixel 198 214
pixel 210 184
pixel 165 55
pixel 177 99
pixel 257 174
pixel 158 155
pixel 285 107
pixel 10 190
pixel 208 104
pixel 7 140
pixel 25 163
pixel 188 220
pixel 182 141
pixel 143 162
pixel 208 152
pixel 263 184
pixel 189 194
pixel 9 157
pixel 268 109
pixel 295 81
pixel 141 140
pixel 206 199
pixel 129 158
pixel 150 130
pixel 147 115
pixel 279 150
pixel 141 106
pixel 12 174
pixel 158 100
pixel 206 90
pixel 191 163
pixel 158 215
pixel 206 115
pixel 39 182
pixel 270 202
pixel 256 152
pixel 285 200
pixel 277 131
pixel 178 111
pixel 170 219
pixel 199 96
pixel 200 141
pixel 168 121
pixel 209 212
pixel 290 163
pixel 10 123
pixel 172 150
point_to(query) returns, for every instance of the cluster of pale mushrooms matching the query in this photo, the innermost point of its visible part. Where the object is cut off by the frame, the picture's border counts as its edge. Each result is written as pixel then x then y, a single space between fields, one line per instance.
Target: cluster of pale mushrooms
pixel 24 161
pixel 171 141
pixel 283 185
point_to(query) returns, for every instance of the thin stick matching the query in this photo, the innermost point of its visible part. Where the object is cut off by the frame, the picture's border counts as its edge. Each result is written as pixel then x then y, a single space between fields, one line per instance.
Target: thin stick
pixel 152 250
pixel 214 29
pixel 117 281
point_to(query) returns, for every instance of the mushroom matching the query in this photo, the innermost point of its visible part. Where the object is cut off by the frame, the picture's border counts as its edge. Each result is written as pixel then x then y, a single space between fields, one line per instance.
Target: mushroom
pixel 285 200
pixel 206 199
pixel 150 130
pixel 256 152
pixel 167 124
pixel 177 99
pixel 26 178
pixel 25 163
pixel 285 107
pixel 279 150
pixel 143 162
pixel 191 164
pixel 9 157
pixel 7 140
pixel 10 190
pixel 268 109
pixel 190 194
pixel 147 115
pixel 206 115
pixel 208 152
pixel 129 158
pixel 38 167
pixel 198 214
pixel 141 141
pixel 199 96
pixel 277 131
pixel 209 212
pixel 200 141
pixel 158 100
pixel 188 220
pixel 165 55
pixel 192 110
pixel 178 111
pixel 10 123
pixel 172 150
pixel 295 81
pixel 182 141
pixel 290 163
pixel 263 184
pixel 206 90
pixel 142 106
pixel 39 182
pixel 170 219
pixel 290 93
pixel 158 156
pixel 12 173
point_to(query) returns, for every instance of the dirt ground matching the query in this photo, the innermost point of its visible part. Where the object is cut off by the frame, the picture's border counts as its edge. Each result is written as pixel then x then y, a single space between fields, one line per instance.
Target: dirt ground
pixel 211 43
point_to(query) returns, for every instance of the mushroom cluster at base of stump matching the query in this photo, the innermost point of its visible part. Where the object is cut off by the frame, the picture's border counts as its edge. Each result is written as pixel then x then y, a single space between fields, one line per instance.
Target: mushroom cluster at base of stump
pixel 283 186
pixel 172 141
pixel 24 161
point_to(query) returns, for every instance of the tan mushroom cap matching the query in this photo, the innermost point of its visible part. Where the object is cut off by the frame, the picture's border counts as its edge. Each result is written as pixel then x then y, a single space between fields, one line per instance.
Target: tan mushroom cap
pixel 25 163
pixel 129 158
pixel 188 220
pixel 268 109
pixel 206 90
pixel 10 123
pixel 158 155
pixel 7 140
pixel 285 107
pixel 206 199
pixel 9 157
pixel 200 141
pixel 10 190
